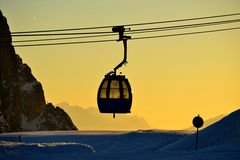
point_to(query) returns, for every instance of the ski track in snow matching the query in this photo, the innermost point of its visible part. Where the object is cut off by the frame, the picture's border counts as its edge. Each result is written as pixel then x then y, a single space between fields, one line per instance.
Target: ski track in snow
pixel 107 145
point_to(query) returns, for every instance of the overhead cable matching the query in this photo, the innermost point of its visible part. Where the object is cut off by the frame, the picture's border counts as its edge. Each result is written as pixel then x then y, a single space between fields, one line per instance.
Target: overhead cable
pixel 137 31
pixel 132 24
pixel 137 38
pixel 186 33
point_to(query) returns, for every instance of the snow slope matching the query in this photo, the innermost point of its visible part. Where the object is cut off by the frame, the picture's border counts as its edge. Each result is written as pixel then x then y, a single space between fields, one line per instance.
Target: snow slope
pixel 83 144
pixel 220 141
pixel 224 132
pixel 103 145
pixel 58 150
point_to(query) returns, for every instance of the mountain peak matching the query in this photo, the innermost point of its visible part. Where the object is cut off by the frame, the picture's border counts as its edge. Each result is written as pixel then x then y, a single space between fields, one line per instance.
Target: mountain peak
pixel 22 98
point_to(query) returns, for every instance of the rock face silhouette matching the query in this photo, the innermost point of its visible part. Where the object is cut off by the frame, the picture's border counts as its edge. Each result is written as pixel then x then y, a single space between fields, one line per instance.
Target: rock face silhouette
pixel 22 103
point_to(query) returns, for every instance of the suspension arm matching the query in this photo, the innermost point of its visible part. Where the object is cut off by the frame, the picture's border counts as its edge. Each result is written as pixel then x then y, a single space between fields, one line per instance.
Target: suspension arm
pixel 124 61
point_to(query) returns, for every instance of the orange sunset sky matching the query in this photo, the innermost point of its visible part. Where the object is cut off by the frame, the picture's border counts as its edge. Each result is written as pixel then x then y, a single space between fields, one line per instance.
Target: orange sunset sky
pixel 173 79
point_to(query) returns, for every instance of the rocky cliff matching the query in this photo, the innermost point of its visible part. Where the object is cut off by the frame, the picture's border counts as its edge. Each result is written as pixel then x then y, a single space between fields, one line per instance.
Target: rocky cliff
pixel 22 103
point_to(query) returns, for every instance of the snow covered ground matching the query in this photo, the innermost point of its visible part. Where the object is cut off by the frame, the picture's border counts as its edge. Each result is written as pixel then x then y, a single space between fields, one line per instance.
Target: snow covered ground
pixel 104 145
pixel 220 141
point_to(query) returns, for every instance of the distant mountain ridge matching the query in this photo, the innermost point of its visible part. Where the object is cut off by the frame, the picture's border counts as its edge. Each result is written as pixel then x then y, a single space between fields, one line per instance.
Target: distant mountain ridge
pixel 91 119
pixel 22 102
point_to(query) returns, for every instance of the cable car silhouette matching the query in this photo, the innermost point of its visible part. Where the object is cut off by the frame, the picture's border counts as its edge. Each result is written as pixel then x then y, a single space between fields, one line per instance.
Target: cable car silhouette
pixel 114 93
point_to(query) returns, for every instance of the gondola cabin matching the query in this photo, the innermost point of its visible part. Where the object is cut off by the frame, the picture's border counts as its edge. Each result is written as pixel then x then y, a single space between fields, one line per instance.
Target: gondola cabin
pixel 114 95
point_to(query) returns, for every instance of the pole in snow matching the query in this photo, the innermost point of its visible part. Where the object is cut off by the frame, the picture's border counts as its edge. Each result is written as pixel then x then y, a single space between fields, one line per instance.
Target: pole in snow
pixel 19 138
pixel 198 123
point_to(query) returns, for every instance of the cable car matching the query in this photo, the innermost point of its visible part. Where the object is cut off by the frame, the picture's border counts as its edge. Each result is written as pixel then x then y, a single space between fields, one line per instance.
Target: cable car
pixel 114 93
